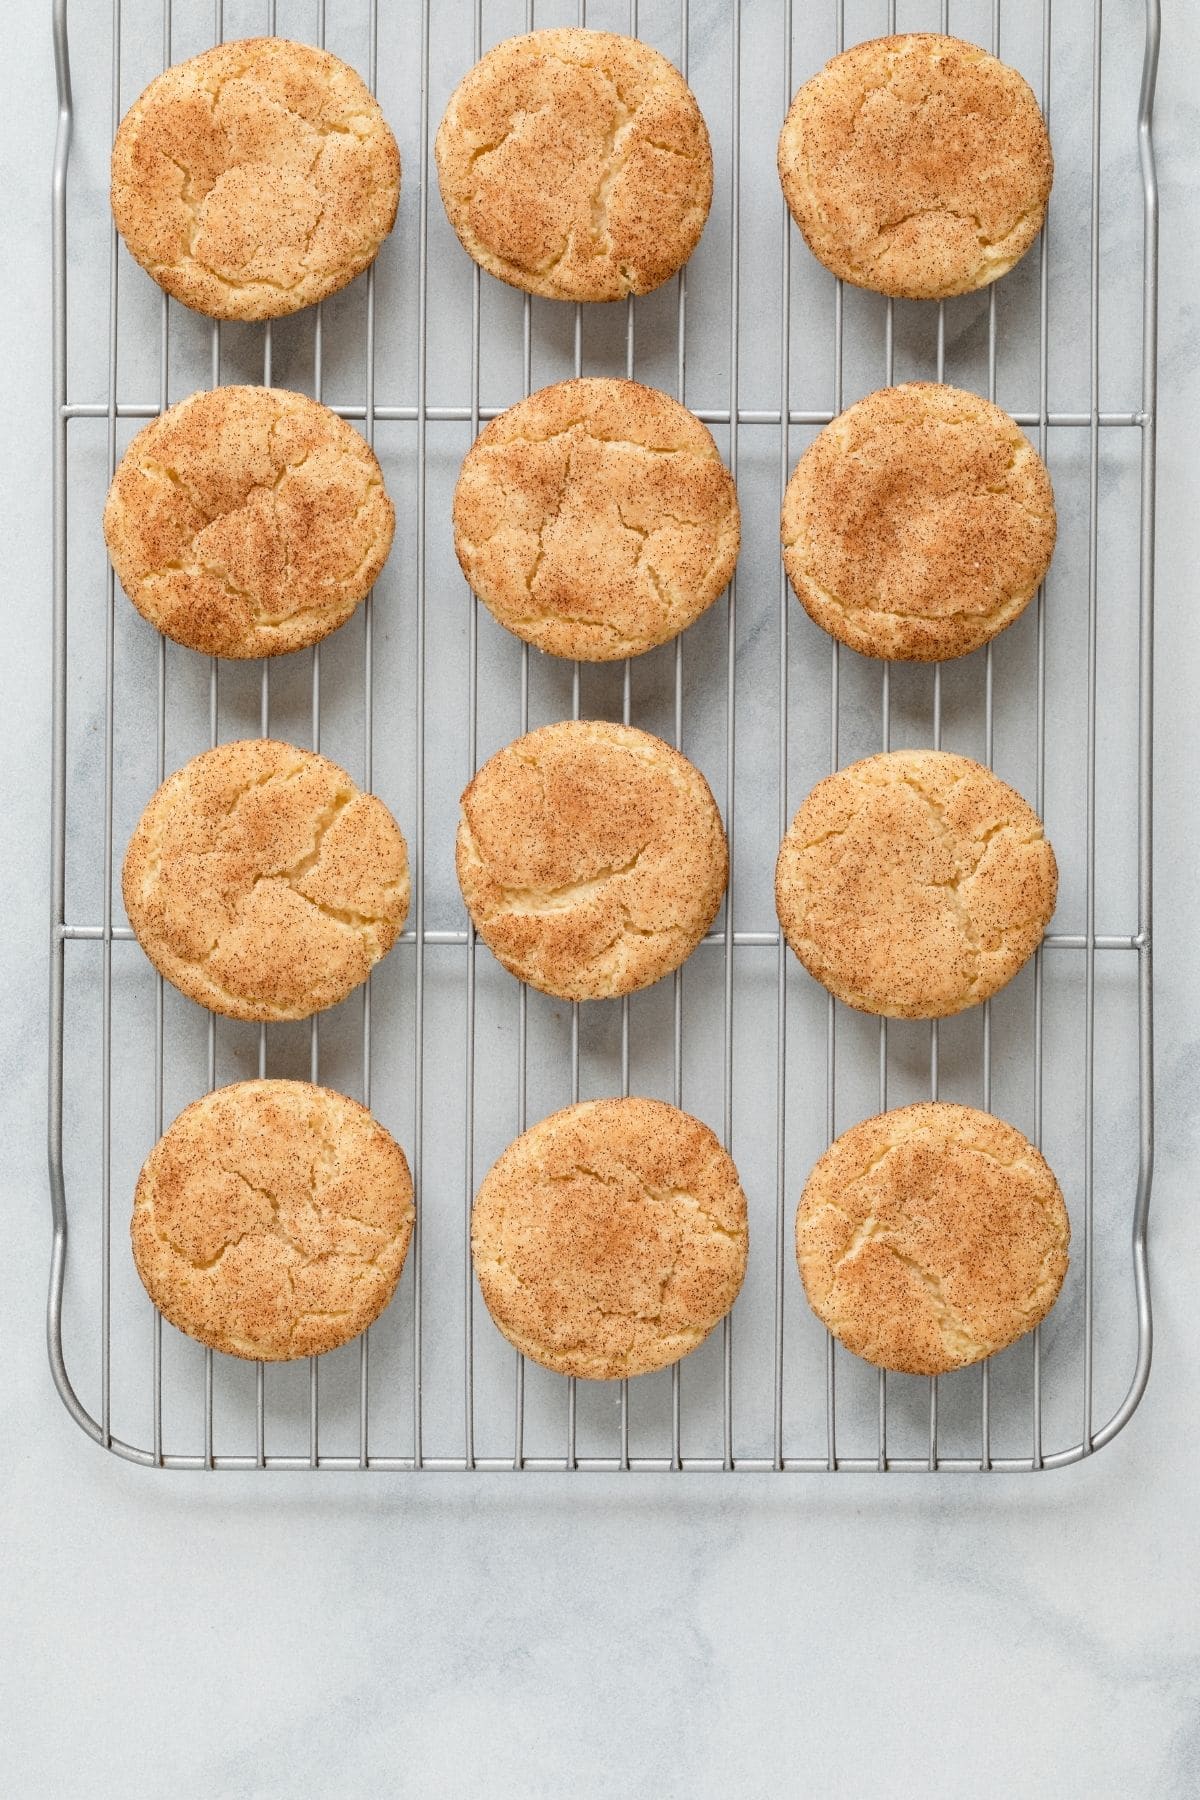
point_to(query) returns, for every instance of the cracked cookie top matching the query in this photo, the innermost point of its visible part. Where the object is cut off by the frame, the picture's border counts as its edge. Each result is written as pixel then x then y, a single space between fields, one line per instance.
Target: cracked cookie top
pixel 914 884
pixel 596 519
pixel 611 1238
pixel 575 164
pixel 248 521
pixel 255 179
pixel 263 883
pixel 916 165
pixel 591 857
pixel 931 1237
pixel 918 524
pixel 272 1220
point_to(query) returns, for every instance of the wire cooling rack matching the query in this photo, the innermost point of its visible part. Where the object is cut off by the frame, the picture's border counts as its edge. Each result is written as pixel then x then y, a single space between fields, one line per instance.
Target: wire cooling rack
pixel 453 1055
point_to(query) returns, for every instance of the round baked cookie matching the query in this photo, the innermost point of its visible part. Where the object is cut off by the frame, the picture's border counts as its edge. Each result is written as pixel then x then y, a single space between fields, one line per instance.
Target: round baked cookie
pixel 596 519
pixel 918 524
pixel 591 857
pixel 255 179
pixel 575 164
pixel 248 521
pixel 263 883
pixel 931 1237
pixel 272 1220
pixel 611 1238
pixel 914 884
pixel 916 165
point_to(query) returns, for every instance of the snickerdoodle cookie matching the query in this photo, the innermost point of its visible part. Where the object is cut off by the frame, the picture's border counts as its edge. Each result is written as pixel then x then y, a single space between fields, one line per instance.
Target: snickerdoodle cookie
pixel 255 179
pixel 918 524
pixel 931 1237
pixel 591 857
pixel 272 1220
pixel 596 519
pixel 263 883
pixel 248 521
pixel 917 165
pixel 914 884
pixel 575 164
pixel 611 1238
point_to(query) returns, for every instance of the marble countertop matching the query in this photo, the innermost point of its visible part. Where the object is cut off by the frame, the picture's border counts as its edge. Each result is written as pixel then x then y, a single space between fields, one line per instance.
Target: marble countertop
pixel 237 1636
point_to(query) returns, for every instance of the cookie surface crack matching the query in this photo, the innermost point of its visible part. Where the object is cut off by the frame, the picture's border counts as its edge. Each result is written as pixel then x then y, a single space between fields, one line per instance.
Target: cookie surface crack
pixel 537 901
pixel 549 524
pixel 958 1341
pixel 613 163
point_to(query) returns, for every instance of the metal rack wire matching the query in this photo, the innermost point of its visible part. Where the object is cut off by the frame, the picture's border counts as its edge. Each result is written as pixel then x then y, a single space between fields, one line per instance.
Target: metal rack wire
pixel 769 1392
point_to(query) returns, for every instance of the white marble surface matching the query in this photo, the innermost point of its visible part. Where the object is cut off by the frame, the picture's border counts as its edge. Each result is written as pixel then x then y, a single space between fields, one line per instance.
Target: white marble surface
pixel 235 1636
